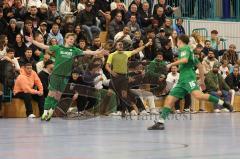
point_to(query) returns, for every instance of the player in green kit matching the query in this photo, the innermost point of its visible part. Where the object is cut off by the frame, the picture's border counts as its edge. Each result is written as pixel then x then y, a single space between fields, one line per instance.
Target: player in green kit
pixel 186 83
pixel 64 55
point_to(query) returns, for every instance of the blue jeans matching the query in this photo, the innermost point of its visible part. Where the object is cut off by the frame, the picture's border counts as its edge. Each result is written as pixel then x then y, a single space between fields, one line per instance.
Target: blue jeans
pixel 90 30
pixel 225 95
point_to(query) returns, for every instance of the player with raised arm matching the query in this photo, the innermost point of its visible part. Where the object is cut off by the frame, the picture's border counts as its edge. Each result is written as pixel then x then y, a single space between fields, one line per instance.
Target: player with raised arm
pixel 186 83
pixel 64 55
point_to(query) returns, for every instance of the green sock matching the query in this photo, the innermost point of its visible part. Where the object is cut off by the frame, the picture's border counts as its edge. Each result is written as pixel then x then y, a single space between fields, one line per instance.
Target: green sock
pixel 213 99
pixel 165 112
pixel 50 102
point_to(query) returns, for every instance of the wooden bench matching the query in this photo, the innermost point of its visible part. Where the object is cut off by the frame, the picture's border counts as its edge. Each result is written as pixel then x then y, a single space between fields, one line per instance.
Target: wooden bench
pixel 16 109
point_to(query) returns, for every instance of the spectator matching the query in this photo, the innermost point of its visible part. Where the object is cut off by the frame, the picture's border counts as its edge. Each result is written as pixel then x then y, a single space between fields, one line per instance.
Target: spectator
pixel 27 30
pixel 168 27
pixel 150 51
pixel 138 4
pixel 33 17
pixel 87 19
pixel 52 13
pixel 37 52
pixel 43 12
pixel 233 80
pixel 40 65
pixel 172 78
pixel 19 46
pixel 216 86
pixel 12 31
pixel 44 75
pixel 168 10
pixel 198 52
pixel 86 80
pixel 136 79
pixel 157 70
pixel 9 67
pixel 209 61
pixel 24 89
pixel 160 38
pixel 120 8
pixel 83 44
pixel 19 10
pixel 224 70
pixel 79 33
pixel 115 26
pixel 3 45
pixel 96 44
pixel 145 16
pixel 27 58
pixel 132 11
pixel 66 8
pixel 43 31
pixel 195 39
pixel 178 27
pixel 215 41
pixel 160 16
pixel 3 22
pixel 133 25
pixel 173 39
pixel 8 12
pixel 167 50
pixel 55 33
pixel 231 55
pixel 81 5
pixel 208 47
pixel 124 37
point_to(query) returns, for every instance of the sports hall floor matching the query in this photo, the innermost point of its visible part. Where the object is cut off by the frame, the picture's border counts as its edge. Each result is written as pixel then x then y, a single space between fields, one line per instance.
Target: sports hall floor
pixel 210 136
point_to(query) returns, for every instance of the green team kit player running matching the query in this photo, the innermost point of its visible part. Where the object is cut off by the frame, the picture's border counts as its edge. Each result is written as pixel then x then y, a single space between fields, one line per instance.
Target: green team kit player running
pixel 64 55
pixel 186 83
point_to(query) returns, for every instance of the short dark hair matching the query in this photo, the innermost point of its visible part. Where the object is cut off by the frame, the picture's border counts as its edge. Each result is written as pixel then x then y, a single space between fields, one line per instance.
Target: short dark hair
pixel 10 50
pixel 52 4
pixel 28 48
pixel 184 39
pixel 27 64
pixel 214 32
pixel 206 41
pixel 159 53
pixel 48 62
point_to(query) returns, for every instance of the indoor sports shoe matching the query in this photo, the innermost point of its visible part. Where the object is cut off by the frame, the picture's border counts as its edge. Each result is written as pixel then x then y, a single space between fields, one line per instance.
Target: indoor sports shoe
pixel 44 116
pixel 143 112
pixel 31 116
pixel 157 126
pixel 228 106
pixel 50 114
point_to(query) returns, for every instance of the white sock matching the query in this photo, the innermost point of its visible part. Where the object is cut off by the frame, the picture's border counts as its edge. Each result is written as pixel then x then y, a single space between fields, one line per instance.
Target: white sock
pixel 45 112
pixel 220 102
pixel 50 111
pixel 161 120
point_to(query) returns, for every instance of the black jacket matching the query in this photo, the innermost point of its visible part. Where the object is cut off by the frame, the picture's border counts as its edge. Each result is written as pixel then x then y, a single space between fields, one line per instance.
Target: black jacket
pixel 44 77
pixel 233 82
pixel 23 60
pixel 19 51
pixel 7 73
pixel 86 18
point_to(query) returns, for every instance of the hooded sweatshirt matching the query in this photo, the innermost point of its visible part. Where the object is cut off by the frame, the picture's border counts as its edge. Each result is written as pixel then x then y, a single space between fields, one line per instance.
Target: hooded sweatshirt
pixel 25 83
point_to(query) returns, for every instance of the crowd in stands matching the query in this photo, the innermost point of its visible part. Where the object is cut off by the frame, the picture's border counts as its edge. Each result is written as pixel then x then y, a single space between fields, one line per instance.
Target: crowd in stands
pixel 120 79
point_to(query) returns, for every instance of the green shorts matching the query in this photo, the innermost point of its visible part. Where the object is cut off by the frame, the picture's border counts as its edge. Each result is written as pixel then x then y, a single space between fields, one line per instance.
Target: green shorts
pixel 57 83
pixel 182 88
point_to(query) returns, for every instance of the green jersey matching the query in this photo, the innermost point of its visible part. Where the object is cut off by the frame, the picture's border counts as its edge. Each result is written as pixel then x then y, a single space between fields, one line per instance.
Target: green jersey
pixel 187 72
pixel 64 59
